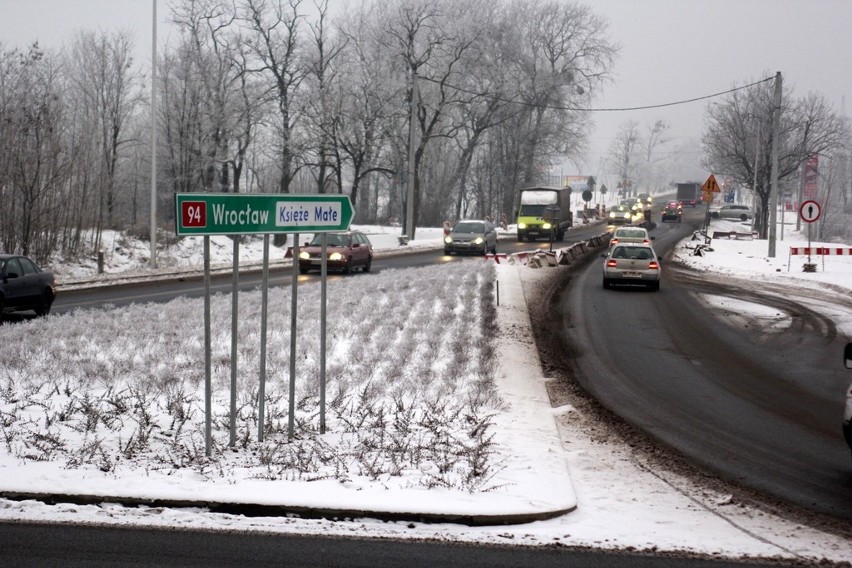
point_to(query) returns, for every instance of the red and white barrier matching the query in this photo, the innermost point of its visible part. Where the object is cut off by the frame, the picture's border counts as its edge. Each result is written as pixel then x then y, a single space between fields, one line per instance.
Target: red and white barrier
pixel 821 251
pixel 495 256
pixel 818 251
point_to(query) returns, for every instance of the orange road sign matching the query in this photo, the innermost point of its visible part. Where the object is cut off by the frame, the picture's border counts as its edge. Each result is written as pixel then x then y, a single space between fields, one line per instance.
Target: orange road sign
pixel 710 186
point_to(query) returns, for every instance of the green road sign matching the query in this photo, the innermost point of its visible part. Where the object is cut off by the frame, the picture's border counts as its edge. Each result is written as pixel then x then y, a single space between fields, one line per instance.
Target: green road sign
pixel 260 213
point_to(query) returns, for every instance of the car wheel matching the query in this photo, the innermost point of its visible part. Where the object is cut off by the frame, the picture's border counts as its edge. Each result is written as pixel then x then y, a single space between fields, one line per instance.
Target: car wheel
pixel 46 301
pixel 2 308
pixel 714 215
pixel 655 286
pixel 303 269
pixel 606 283
pixel 347 268
pixel 447 252
pixel 369 264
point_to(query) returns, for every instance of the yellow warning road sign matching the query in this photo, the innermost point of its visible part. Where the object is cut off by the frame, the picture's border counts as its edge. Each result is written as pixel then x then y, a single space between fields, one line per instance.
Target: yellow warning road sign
pixel 710 186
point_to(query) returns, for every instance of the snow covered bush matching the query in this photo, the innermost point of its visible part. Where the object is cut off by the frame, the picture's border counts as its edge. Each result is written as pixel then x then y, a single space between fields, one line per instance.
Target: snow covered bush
pixel 410 383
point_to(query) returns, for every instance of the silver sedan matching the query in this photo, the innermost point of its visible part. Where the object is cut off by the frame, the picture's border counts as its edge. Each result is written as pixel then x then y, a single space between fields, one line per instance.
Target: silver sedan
pixel 741 212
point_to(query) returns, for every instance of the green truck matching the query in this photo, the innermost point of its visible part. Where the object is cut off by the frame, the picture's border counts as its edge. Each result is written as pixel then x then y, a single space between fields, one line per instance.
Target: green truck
pixel 543 213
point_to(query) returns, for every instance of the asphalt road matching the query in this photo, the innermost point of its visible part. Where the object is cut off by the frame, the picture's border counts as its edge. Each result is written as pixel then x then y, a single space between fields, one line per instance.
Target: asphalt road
pixel 70 546
pixel 191 285
pixel 760 406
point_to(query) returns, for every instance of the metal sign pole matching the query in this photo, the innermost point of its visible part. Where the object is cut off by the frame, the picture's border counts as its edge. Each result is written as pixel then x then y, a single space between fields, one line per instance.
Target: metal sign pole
pixel 323 299
pixel 234 352
pixel 264 305
pixel 291 425
pixel 202 214
pixel 809 242
pixel 208 388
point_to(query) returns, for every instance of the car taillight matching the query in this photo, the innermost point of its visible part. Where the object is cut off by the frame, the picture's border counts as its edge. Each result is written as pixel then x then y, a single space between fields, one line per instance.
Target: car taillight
pixel 611 263
pixel 613 241
pixel 646 242
pixel 653 265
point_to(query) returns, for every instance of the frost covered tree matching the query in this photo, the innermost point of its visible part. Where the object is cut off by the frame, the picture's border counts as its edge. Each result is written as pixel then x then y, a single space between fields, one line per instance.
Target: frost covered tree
pixel 738 138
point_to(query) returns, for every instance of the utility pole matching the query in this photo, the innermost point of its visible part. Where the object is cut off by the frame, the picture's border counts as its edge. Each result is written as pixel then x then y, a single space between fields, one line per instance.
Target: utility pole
pixel 412 169
pixel 773 195
pixel 756 159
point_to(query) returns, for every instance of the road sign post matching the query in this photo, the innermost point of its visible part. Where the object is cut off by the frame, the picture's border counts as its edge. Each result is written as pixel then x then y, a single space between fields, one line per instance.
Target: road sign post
pixel 708 191
pixel 810 212
pixel 206 214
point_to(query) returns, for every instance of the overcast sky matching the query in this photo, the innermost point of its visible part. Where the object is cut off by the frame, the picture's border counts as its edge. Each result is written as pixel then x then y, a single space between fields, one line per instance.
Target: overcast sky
pixel 672 50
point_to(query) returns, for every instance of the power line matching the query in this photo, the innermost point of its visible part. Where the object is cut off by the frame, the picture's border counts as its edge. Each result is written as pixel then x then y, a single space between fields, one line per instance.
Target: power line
pixel 578 109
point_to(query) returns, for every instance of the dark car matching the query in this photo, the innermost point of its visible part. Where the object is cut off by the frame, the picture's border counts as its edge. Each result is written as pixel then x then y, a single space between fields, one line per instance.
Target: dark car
pixel 673 211
pixel 471 235
pixel 847 413
pixel 25 286
pixel 346 252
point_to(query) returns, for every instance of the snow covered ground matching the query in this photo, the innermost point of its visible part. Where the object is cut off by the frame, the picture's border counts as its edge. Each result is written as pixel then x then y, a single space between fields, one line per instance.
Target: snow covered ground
pixel 604 479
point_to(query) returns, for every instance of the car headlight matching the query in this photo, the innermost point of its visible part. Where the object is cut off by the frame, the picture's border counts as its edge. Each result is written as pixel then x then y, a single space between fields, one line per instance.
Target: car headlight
pixel 546 226
pixel 522 225
pixel 448 240
pixel 478 241
pixel 335 256
pixel 304 255
pixel 612 215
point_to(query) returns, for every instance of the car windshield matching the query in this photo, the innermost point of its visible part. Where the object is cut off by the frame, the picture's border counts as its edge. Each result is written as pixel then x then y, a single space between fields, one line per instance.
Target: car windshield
pixel 469 227
pixel 334 240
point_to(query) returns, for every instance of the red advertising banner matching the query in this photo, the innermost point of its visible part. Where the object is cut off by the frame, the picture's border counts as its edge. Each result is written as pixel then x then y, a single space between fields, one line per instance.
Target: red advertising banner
pixel 811 178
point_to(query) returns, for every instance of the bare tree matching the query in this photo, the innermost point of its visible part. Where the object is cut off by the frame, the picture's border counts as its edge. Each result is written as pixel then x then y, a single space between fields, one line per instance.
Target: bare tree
pixel 625 157
pixel 276 44
pixel 181 119
pixel 655 141
pixel 322 105
pixel 740 130
pixel 101 69
pixel 367 97
pixel 34 162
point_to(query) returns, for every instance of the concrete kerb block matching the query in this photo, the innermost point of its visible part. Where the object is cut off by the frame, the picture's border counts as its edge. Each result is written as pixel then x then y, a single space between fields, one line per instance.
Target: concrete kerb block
pixel 550 259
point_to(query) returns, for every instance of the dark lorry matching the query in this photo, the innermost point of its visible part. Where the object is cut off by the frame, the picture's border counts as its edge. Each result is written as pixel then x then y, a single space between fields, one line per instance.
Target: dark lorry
pixel 689 194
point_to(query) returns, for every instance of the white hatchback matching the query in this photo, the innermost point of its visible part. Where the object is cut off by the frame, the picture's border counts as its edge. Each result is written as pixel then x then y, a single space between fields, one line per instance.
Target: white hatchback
pixel 631 263
pixel 636 235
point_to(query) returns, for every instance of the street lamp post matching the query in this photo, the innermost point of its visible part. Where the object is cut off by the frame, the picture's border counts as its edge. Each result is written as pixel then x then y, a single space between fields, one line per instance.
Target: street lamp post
pixel 153 259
